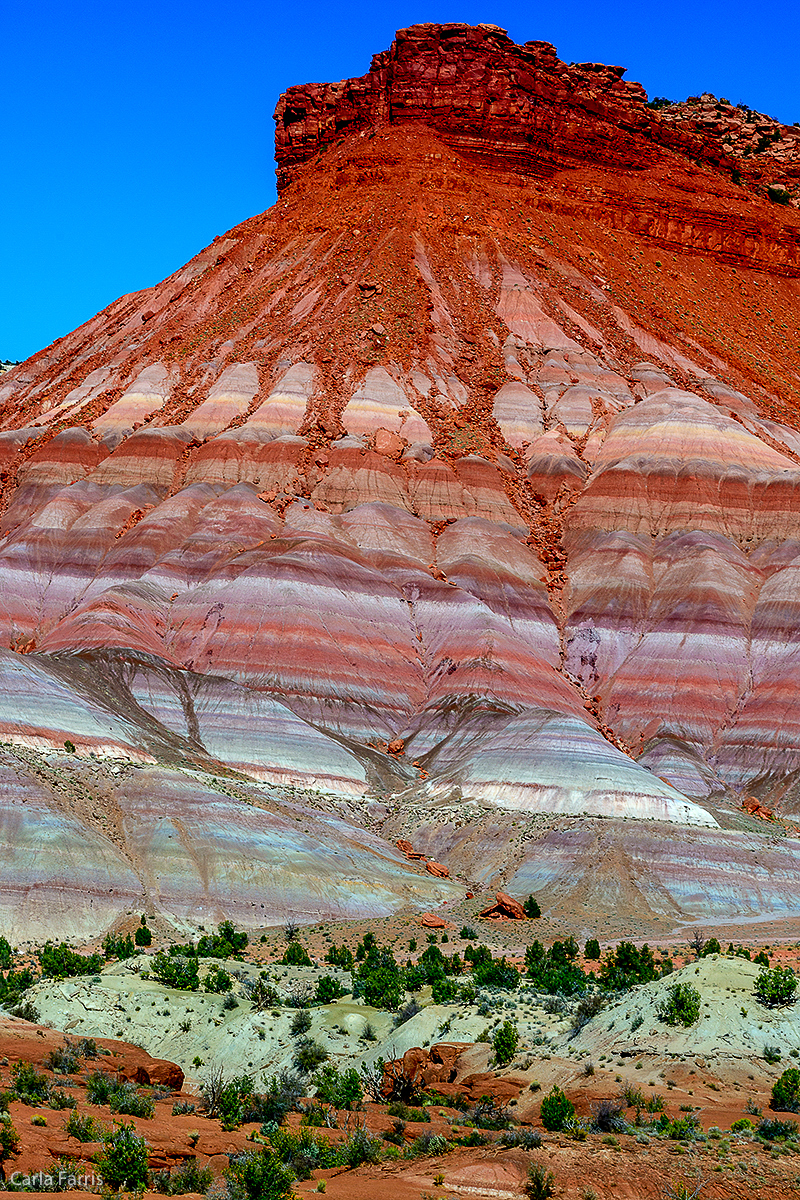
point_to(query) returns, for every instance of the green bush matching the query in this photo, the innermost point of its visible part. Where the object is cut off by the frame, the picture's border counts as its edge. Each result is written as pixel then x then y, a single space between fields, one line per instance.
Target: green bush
pixel 327 990
pixel 553 970
pixel 143 936
pixel 531 907
pixel 59 961
pixel 303 1152
pixel 309 1055
pixel 776 988
pixel 342 1089
pixel 5 954
pixel 296 955
pixel 123 1162
pixel 627 966
pixel 12 987
pixel 225 943
pixel 258 1176
pixel 83 1129
pixel 280 1096
pixel 127 1100
pixel 186 1178
pixel 28 1084
pixel 556 1110
pixel 340 956
pixel 117 946
pixel 378 979
pixel 540 1183
pixel 775 1131
pixel 505 1042
pixel 591 950
pixel 786 1091
pixel 682 1005
pixel 496 973
pixel 217 980
pixel 177 971
pixel 9 1141
pixel 301 1022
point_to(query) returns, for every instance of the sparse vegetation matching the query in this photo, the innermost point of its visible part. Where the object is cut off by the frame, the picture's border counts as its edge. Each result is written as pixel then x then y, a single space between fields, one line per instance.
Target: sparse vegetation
pixel 776 988
pixel 682 1006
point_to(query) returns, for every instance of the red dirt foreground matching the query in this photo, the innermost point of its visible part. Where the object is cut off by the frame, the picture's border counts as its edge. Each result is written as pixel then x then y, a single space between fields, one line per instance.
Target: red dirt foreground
pixel 634 1167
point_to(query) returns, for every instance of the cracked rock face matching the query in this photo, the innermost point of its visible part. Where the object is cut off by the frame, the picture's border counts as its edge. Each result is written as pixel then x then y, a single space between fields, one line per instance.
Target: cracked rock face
pixel 468 472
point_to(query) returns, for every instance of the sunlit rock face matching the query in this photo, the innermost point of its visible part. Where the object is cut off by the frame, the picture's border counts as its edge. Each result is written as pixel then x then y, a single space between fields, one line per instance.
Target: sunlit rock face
pixel 461 474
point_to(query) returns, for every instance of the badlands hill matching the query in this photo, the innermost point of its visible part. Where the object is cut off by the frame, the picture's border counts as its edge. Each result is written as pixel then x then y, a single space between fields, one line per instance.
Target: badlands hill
pixel 455 498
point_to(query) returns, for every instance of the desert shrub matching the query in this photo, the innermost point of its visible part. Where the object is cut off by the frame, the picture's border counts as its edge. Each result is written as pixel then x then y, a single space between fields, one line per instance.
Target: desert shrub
pixel 762 959
pixel 496 973
pixel 309 1055
pixel 280 1096
pixel 406 1012
pixel 682 1005
pixel 398 1109
pixel 260 993
pixel 83 1129
pixel 59 1100
pixel 9 1142
pixel 327 990
pixel 588 1007
pixel 775 988
pixel 556 1110
pixel 488 1114
pixel 526 1139
pixel 183 1108
pixel 505 1042
pixel 540 1183
pixel 59 961
pixel 5 954
pixel 301 1022
pixel 772 1054
pixel 258 1176
pixel 304 1152
pixel 378 978
pixel 531 907
pixel 427 1144
pixel 627 966
pixel 591 950
pixel 443 990
pixel 176 971
pixel 123 1162
pixel 86 1047
pixel 684 1128
pixel 340 956
pixel 296 955
pixel 143 936
pixel 225 943
pixel 186 1178
pixel 126 1099
pixel 217 980
pixel 360 1147
pixel 64 1059
pixel 786 1091
pixel 607 1116
pixel 553 970
pixel 468 933
pixel 774 1130
pixel 12 987
pixel 98 1087
pixel 342 1089
pixel 115 945
pixel 27 1084
pixel 397 1134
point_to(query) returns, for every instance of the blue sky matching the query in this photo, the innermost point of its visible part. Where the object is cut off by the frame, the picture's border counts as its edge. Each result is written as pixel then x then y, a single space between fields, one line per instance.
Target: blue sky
pixel 132 134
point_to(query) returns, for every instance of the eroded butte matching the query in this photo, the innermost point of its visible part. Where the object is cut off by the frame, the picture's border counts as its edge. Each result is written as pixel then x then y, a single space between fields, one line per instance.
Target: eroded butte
pixel 455 498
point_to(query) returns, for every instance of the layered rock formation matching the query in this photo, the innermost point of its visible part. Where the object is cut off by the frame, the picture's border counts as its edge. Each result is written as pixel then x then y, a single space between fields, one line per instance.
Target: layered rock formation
pixel 463 479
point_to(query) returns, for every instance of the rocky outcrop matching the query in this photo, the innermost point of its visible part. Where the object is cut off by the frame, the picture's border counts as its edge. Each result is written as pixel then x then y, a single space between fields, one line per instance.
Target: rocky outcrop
pixel 505 908
pixel 515 107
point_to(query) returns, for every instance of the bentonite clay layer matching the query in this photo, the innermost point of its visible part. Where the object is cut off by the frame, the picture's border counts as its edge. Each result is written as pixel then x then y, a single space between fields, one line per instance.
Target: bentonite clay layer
pixel 433 480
